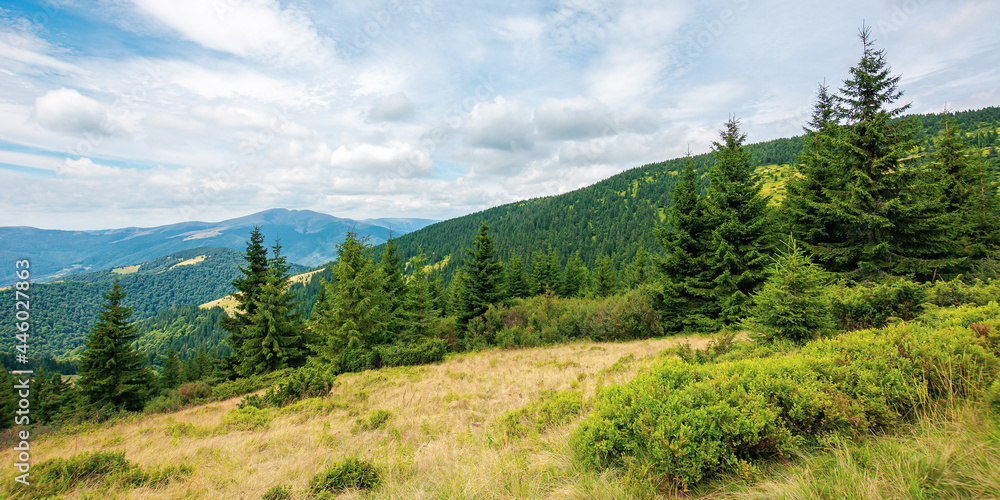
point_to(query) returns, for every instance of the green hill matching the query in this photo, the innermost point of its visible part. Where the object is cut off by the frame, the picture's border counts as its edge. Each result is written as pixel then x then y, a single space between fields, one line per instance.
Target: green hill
pixel 616 216
pixel 62 312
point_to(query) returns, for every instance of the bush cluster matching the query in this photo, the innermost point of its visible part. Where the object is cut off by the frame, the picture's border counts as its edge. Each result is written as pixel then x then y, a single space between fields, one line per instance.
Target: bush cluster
pixel 551 409
pixel 545 319
pixel 348 473
pixel 58 475
pixel 680 423
pixel 310 381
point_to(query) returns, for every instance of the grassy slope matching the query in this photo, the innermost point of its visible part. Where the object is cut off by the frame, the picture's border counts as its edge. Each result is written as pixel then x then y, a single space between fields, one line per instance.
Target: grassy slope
pixel 441 441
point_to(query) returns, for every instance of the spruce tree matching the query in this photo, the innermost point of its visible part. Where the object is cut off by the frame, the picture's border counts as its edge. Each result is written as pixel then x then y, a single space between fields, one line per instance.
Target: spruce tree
pixel 420 302
pixel 685 273
pixel 892 222
pixel 969 194
pixel 112 375
pixel 516 282
pixel 574 281
pixel 248 289
pixel 739 216
pixel 539 273
pixel 357 313
pixel 606 280
pixel 395 286
pixel 808 208
pixel 8 399
pixel 170 376
pixel 273 340
pixel 482 280
pixel 52 399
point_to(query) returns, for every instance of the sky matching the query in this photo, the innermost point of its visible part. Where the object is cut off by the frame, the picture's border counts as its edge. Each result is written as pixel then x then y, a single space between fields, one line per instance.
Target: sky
pixel 140 113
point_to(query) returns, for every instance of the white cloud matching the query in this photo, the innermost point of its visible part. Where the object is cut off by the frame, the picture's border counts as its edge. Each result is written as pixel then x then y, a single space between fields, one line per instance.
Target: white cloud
pixel 390 108
pixel 66 110
pixel 86 168
pixel 576 118
pixel 500 124
pixel 255 29
pixel 394 158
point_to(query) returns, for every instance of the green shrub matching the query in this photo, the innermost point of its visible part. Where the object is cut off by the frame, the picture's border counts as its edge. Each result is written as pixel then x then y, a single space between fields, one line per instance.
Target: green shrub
pixel 376 420
pixel 58 475
pixel 312 380
pixel 194 391
pixel 552 409
pixel 426 351
pixel 957 292
pixel 992 396
pixel 349 473
pixel 246 385
pixel 680 423
pixel 165 403
pixel 280 492
pixel 792 304
pixel 872 305
pixel 247 418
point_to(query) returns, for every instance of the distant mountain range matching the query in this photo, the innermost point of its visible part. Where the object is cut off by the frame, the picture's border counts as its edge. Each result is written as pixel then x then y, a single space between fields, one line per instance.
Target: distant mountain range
pixel 308 238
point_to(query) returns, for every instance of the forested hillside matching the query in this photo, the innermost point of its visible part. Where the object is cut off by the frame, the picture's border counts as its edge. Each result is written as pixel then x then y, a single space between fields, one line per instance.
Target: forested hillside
pixel 616 217
pixel 62 312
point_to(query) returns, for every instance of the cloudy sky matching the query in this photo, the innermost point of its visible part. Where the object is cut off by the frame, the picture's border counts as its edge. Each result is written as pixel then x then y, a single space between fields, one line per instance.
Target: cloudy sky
pixel 145 112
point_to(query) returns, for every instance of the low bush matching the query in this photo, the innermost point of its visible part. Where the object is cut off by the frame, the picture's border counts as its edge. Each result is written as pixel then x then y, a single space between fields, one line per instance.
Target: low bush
pixel 349 473
pixel 312 380
pixel 856 306
pixel 194 391
pixel 280 492
pixel 551 409
pixel 376 420
pixel 680 423
pixel 423 352
pixel 546 319
pixel 109 469
pixel 247 418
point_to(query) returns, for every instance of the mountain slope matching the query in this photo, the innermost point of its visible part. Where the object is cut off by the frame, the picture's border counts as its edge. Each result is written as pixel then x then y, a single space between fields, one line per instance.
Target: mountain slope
pixel 616 216
pixel 62 312
pixel 307 237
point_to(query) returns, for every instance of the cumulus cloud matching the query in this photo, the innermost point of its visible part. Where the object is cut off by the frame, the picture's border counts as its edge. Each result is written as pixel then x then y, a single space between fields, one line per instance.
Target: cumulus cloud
pixel 256 29
pixel 66 110
pixel 576 118
pixel 500 124
pixel 394 157
pixel 390 108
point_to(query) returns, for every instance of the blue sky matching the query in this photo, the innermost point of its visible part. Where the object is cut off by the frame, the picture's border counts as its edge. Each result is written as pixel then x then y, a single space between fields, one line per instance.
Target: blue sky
pixel 146 112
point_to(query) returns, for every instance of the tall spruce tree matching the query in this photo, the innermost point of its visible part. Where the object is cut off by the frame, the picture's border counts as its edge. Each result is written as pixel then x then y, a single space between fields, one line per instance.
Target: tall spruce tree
pixel 112 375
pixel 420 302
pixel 892 222
pixel 395 286
pixel 808 208
pixel 739 216
pixel 685 273
pixel 8 399
pixel 357 313
pixel 969 193
pixel 248 289
pixel 606 278
pixel 170 375
pixel 575 279
pixel 273 340
pixel 482 279
pixel 516 282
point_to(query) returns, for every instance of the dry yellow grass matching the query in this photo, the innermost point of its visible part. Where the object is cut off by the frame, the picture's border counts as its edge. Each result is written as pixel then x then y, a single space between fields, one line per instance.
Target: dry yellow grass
pixel 441 441
pixel 189 262
pixel 126 269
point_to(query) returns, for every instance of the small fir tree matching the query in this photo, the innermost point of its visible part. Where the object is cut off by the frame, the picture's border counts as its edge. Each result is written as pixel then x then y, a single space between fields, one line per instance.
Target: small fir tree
pixel 482 278
pixel 112 375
